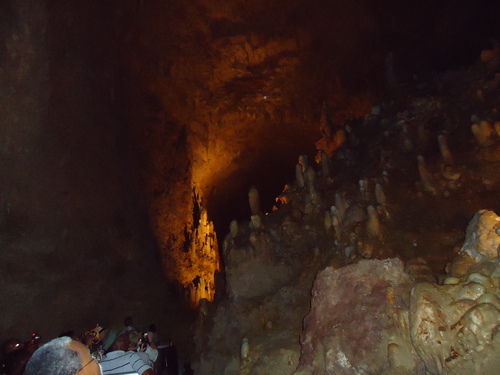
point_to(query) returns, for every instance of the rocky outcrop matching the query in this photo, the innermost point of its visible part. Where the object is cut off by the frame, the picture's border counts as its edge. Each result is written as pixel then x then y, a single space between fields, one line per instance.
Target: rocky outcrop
pixel 482 243
pixel 372 317
pixel 358 320
pixel 455 328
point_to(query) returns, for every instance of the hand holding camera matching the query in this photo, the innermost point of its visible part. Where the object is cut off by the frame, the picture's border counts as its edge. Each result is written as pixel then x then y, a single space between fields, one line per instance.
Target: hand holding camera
pixel 144 342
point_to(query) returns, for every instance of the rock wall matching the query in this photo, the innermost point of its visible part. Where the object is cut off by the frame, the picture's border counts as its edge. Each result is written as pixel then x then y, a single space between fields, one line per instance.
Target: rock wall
pixel 75 245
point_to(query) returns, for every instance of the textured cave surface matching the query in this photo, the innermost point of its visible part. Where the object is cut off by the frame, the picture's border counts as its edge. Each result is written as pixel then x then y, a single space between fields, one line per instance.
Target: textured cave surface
pixel 406 293
pixel 123 123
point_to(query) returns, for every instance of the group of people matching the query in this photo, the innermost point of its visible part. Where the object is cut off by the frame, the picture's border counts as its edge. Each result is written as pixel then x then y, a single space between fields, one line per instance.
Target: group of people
pixel 97 352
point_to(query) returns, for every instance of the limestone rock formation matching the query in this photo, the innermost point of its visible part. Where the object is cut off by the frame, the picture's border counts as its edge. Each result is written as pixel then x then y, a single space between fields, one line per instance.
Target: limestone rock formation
pixel 373 318
pixel 482 243
pixel 382 300
pixel 455 328
pixel 357 312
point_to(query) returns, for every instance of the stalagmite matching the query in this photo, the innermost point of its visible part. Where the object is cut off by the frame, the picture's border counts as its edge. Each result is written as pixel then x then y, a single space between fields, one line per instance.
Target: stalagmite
pixel 385 176
pixel 314 195
pixel 334 213
pixel 310 176
pixel 245 349
pixel 482 133
pixel 311 183
pixel 328 221
pixel 497 127
pixel 379 194
pixel 373 225
pixel 363 187
pixel 425 176
pixel 233 228
pixel 303 162
pixel 256 222
pixel 299 176
pixel 349 251
pixel 254 200
pixel 341 204
pixel 445 151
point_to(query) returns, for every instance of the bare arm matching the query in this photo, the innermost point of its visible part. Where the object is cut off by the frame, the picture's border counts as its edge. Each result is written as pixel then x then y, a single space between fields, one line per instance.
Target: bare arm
pixel 149 371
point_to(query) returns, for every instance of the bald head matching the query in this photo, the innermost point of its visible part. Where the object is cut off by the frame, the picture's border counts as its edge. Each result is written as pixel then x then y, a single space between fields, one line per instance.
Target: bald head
pixel 121 343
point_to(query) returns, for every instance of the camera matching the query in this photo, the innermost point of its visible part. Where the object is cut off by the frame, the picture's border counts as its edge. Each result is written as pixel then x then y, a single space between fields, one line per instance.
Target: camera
pixel 35 338
pixel 145 339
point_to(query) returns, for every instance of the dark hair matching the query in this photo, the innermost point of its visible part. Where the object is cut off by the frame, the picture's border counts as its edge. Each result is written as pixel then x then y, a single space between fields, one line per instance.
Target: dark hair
pixel 55 358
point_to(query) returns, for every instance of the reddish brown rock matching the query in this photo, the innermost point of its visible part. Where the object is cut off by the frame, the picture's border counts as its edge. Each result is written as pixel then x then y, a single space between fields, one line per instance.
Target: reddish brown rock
pixel 355 312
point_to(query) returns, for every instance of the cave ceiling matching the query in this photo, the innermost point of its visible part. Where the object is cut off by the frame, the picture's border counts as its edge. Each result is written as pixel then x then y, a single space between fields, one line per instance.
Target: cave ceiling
pixel 223 95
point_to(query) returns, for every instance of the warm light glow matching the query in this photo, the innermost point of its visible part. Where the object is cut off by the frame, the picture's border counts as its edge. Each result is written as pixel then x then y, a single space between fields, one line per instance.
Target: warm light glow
pixel 204 260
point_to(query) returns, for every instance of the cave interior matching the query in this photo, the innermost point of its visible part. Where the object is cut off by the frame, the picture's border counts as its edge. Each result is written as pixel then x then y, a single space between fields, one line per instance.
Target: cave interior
pixel 212 165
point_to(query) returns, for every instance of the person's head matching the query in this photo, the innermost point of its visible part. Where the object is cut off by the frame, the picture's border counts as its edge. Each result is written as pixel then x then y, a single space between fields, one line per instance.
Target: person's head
pixel 88 339
pixel 133 338
pixel 103 332
pixel 128 321
pixel 121 343
pixel 63 356
pixel 71 334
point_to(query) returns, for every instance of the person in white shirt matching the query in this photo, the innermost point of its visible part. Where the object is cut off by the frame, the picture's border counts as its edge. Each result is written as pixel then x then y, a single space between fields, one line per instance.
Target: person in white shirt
pixel 118 360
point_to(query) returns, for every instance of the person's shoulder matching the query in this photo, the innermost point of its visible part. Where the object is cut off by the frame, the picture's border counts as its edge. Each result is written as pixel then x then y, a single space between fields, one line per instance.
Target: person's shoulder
pixel 137 362
pixel 113 355
pixel 133 354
